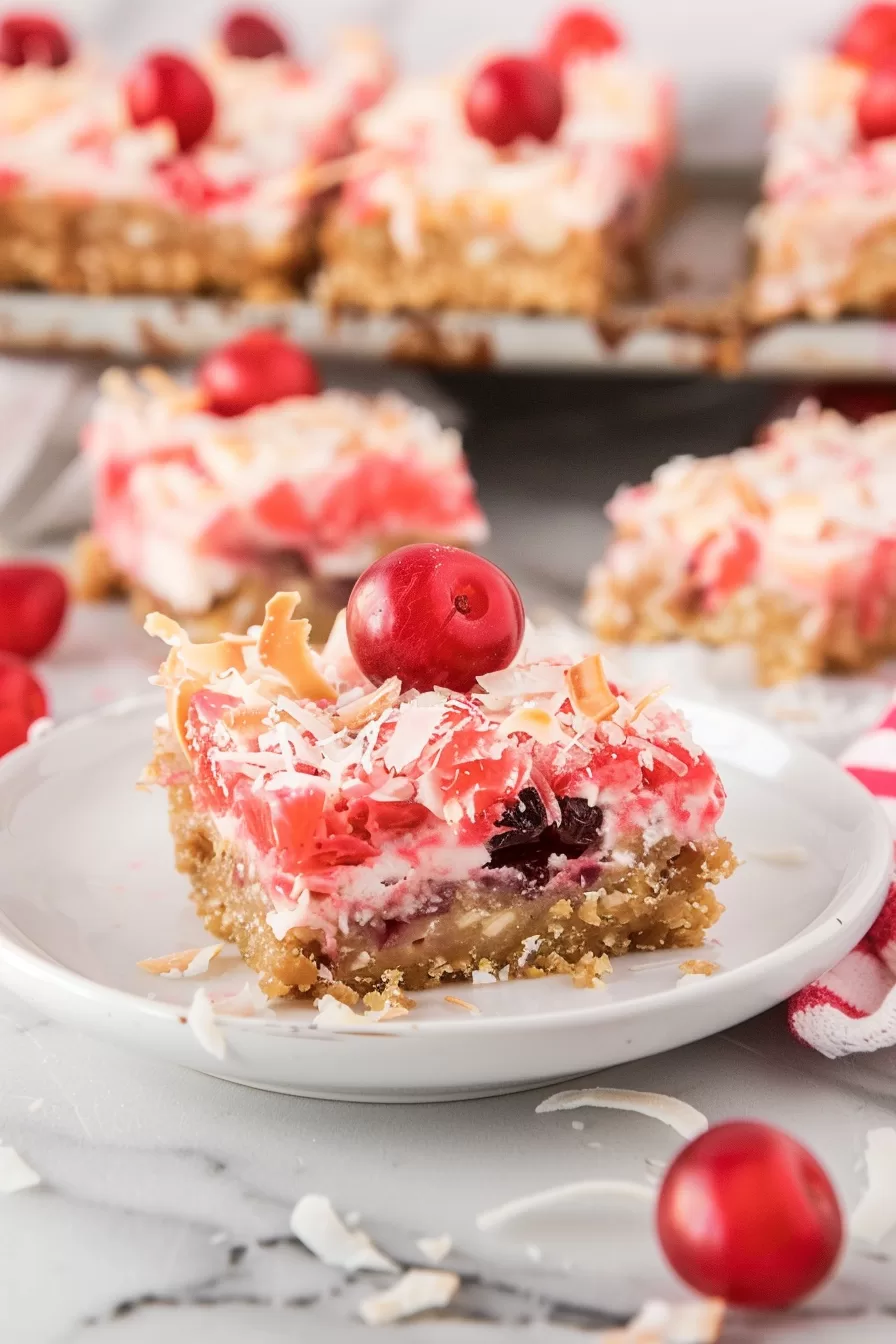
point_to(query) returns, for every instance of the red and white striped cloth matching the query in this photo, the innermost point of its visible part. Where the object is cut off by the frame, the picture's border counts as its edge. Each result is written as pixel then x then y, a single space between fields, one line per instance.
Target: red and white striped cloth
pixel 853 1008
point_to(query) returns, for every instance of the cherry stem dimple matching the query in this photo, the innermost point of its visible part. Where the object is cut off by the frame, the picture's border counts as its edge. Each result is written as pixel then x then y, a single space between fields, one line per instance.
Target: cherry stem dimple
pixel 462 604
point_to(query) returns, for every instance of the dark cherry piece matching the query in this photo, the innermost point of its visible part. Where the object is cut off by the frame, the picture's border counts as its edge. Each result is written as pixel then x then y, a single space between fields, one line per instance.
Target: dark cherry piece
pixel 250 35
pixel 256 370
pixel 746 1213
pixel 524 840
pixel 33 603
pixel 579 32
pixel 33 39
pixel 22 700
pixel 166 87
pixel 433 615
pixel 870 36
pixel 512 97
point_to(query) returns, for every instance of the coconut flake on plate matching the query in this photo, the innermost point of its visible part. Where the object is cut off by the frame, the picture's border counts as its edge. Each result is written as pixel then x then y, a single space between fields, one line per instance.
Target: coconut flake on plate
pixel 201 1021
pixel 250 1001
pixel 15 1173
pixel 875 1214
pixel 315 1223
pixel 684 1119
pixel 416 1291
pixel 559 1195
pixel 177 965
pixel 658 1322
pixel 333 1014
pixel 435 1248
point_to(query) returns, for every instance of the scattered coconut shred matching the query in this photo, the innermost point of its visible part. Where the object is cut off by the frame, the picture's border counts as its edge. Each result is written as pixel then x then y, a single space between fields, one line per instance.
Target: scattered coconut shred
pixel 201 1021
pixel 416 1291
pixel 435 1248
pixel 875 1214
pixel 316 1224
pixel 684 1119
pixel 15 1173
pixel 174 966
pixel 657 1322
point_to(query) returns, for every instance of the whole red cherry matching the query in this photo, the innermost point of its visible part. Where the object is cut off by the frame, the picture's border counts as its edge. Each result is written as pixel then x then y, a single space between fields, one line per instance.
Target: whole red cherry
pixel 255 370
pixel 33 39
pixel 33 603
pixel 433 615
pixel 876 108
pixel 22 700
pixel 511 97
pixel 870 35
pixel 746 1213
pixel 249 35
pixel 857 401
pixel 579 32
pixel 164 86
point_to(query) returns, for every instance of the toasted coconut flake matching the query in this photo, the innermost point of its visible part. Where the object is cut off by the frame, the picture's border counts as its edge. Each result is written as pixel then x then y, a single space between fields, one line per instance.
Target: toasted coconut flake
pixel 658 1322
pixel 875 1214
pixel 417 1290
pixel 435 1248
pixel 315 1223
pixel 177 704
pixel 207 660
pixel 334 1015
pixel 684 1119
pixel 194 961
pixel 646 700
pixel 201 1021
pixel 15 1173
pixel 358 713
pixel 534 722
pixel 558 1195
pixel 462 1003
pixel 696 967
pixel 250 1001
pixel 414 727
pixel 283 646
pixel 588 689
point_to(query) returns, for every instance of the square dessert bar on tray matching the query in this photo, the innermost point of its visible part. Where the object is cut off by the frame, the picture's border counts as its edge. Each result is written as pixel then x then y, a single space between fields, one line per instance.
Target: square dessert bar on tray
pixel 435 215
pixel 204 515
pixel 789 547
pixel 824 235
pixel 98 195
pixel 350 838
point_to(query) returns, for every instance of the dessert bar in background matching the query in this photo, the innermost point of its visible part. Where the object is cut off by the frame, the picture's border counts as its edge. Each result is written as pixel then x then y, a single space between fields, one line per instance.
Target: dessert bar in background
pixel 825 234
pixel 352 837
pixel 789 547
pixel 209 497
pixel 523 183
pixel 183 176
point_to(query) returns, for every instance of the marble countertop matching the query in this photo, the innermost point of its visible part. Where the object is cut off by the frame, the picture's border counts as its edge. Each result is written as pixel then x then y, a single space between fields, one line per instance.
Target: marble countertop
pixel 163 1209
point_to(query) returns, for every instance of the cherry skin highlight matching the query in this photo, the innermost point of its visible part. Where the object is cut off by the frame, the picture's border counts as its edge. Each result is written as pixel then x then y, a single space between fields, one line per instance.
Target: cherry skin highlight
pixel 433 616
pixel 33 603
pixel 22 700
pixel 876 108
pixel 746 1213
pixel 512 97
pixel 33 39
pixel 870 36
pixel 256 370
pixel 250 35
pixel 579 32
pixel 165 87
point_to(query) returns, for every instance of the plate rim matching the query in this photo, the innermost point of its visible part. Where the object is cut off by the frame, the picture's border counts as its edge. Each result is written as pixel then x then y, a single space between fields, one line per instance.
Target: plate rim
pixel 857 912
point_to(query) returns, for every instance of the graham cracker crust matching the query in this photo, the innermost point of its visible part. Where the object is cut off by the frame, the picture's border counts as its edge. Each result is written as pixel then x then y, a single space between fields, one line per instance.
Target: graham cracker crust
pixel 364 269
pixel 664 899
pixel 132 247
pixel 790 639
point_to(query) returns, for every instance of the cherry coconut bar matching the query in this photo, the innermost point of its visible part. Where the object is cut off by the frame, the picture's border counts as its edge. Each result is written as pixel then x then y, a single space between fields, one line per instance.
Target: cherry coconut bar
pixel 789 547
pixel 204 515
pixel 348 837
pixel 824 235
pixel 543 205
pixel 188 177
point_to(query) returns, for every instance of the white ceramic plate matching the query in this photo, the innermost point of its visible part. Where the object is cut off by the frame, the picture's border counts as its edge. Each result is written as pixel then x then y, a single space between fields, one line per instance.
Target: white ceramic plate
pixel 87 888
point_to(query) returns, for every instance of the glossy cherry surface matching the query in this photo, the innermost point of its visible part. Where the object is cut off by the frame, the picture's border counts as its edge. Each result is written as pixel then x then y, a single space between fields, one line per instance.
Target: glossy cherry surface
pixel 166 87
pixel 22 700
pixel 579 32
pixel 512 97
pixel 33 603
pixel 434 615
pixel 870 36
pixel 746 1213
pixel 876 108
pixel 256 370
pixel 250 35
pixel 33 39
